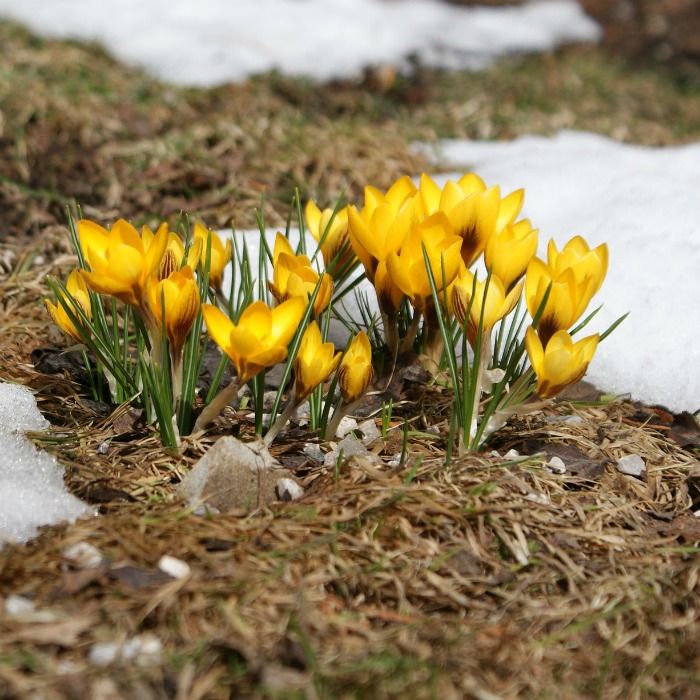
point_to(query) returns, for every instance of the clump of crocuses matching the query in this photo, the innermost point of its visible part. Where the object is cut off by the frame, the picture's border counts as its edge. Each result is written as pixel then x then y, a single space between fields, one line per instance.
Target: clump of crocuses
pixel 455 274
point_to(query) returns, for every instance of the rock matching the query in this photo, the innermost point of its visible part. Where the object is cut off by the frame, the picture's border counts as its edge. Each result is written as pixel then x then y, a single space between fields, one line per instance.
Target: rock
pixel 346 425
pixel 83 555
pixel 369 431
pixel 288 490
pixel 234 475
pixel 314 451
pixel 349 447
pixel 632 465
pixel 145 649
pixel 556 465
pixel 18 605
pixel 174 567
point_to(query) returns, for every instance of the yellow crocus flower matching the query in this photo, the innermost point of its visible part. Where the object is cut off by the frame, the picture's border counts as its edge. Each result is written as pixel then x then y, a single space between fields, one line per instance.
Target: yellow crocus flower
pixel 78 292
pixel 396 196
pixel 509 251
pixel 314 362
pixel 178 297
pixel 355 371
pixel 495 302
pixel 335 247
pixel 509 208
pixel 120 263
pixel 431 192
pixel 408 269
pixel 389 295
pixel 174 255
pixel 561 363
pixel 294 276
pixel 220 256
pixel 566 302
pixel 589 266
pixel 475 211
pixel 260 338
pixel 383 223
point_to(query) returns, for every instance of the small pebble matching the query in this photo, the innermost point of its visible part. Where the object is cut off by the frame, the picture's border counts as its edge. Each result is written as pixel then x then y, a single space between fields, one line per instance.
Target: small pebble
pixel 350 447
pixel 83 555
pixel 563 419
pixel 146 650
pixel 370 431
pixel 556 465
pixel 288 490
pixel 312 450
pixel 18 605
pixel 632 465
pixel 174 567
pixel 395 461
pixel 346 425
pixel 104 653
pixel 206 510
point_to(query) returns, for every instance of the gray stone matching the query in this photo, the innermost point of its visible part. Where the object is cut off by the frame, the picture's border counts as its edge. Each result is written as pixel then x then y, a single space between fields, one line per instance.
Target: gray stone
pixel 288 490
pixel 233 476
pixel 346 426
pixel 370 431
pixel 632 465
pixel 349 447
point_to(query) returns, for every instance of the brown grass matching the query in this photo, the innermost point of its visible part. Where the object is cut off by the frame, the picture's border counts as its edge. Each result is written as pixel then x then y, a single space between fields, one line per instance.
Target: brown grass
pixel 484 579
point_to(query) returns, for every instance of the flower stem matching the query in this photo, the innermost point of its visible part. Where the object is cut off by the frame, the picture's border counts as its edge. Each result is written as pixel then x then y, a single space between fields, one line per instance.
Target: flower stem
pixel 338 415
pixel 223 398
pixel 282 419
pixel 407 342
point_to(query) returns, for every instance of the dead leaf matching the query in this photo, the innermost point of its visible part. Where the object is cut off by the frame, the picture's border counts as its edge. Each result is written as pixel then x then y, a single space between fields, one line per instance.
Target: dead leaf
pixel 576 462
pixel 137 578
pixel 684 527
pixel 64 633
pixel 98 493
pixel 685 431
pixel 73 582
pixel 124 421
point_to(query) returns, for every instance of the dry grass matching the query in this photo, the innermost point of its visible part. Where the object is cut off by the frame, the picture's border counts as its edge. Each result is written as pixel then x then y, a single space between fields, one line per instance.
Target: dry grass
pixel 483 579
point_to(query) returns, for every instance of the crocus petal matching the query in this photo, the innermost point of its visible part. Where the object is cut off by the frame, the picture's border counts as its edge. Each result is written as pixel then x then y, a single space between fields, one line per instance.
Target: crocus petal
pixel 285 320
pixel 219 326
pixel 473 219
pixel 355 370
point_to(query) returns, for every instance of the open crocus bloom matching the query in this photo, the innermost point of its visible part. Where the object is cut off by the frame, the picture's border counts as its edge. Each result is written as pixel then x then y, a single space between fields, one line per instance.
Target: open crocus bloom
pixel 489 305
pixel 475 211
pixel 561 363
pixel 178 297
pixel 314 362
pixel 120 263
pixel 355 371
pixel 78 292
pixel 408 268
pixel 174 255
pixel 260 338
